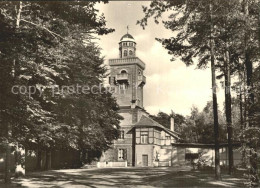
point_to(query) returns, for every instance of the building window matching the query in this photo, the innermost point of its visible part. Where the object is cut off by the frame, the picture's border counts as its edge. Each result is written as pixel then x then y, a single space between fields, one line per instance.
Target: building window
pixel 125 53
pixel 144 137
pixel 122 88
pixel 123 72
pixel 122 154
pixel 122 135
pixel 191 156
pixel 130 52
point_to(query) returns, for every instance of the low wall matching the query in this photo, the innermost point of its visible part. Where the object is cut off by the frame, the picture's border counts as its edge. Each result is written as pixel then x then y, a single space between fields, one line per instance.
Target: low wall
pixel 162 163
pixel 111 164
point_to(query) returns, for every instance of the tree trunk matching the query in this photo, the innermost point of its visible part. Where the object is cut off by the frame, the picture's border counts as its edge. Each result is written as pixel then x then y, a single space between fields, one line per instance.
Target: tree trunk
pixel 19 161
pixel 228 111
pixel 259 26
pixel 249 75
pixel 252 143
pixel 48 159
pixel 83 157
pixel 19 152
pixel 241 100
pixel 242 112
pixel 215 103
pixel 39 160
pixel 8 155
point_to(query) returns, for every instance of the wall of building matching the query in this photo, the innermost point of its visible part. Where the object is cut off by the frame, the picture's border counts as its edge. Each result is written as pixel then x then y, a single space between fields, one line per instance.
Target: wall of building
pixel 125 98
pixel 111 155
pixel 207 156
pixel 163 155
pixel 127 115
pixel 144 150
pixel 131 116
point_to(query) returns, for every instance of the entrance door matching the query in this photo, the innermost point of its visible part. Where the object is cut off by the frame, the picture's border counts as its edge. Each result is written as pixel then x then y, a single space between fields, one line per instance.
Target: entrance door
pixel 145 160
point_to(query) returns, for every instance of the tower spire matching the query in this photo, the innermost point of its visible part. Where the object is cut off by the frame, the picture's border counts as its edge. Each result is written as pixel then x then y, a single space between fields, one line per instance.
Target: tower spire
pixel 127 28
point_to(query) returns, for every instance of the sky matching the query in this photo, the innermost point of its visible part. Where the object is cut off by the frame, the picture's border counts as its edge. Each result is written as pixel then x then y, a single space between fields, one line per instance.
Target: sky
pixel 170 85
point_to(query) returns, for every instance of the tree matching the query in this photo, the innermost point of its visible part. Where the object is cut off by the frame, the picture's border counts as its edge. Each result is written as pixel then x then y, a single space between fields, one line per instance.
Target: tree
pixel 41 45
pixel 196 27
pixel 212 31
pixel 249 55
pixel 198 126
pixel 165 120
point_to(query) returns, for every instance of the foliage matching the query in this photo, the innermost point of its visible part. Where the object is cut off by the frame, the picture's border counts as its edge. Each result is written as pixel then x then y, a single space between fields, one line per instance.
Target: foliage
pixel 197 127
pixel 224 31
pixel 47 46
pixel 165 120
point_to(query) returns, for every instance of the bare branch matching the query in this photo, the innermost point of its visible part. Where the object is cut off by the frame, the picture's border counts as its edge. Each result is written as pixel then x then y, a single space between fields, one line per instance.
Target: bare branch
pixel 51 32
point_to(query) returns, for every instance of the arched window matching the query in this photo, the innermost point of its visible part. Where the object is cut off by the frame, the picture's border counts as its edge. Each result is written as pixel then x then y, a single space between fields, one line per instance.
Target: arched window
pixel 123 72
pixel 125 53
pixel 130 52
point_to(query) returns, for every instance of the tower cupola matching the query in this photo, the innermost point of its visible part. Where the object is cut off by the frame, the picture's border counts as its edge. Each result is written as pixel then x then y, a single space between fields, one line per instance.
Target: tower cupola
pixel 127 46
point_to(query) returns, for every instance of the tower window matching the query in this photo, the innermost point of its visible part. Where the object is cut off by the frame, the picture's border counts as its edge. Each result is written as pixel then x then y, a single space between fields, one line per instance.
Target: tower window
pixel 122 135
pixel 123 72
pixel 125 53
pixel 130 52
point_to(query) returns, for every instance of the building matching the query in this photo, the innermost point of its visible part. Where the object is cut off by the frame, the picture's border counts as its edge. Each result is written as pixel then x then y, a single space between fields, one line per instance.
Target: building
pixel 203 154
pixel 142 142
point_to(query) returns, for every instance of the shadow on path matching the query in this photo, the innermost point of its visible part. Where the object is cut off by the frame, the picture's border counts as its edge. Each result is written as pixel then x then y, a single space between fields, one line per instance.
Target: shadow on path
pixel 127 177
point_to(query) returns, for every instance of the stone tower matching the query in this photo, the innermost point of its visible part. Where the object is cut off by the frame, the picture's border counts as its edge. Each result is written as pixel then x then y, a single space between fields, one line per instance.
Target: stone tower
pixel 126 75
pixel 140 137
pixel 127 79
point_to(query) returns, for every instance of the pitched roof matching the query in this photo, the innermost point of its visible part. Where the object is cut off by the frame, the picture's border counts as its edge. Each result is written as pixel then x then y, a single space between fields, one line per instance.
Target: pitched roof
pixel 146 121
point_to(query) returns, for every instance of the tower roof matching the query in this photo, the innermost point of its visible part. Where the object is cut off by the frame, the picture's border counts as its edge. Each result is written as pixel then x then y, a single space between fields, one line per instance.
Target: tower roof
pixel 127 37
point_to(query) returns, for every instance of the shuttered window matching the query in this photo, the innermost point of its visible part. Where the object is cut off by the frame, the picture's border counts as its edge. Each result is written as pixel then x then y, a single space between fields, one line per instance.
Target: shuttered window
pixel 122 154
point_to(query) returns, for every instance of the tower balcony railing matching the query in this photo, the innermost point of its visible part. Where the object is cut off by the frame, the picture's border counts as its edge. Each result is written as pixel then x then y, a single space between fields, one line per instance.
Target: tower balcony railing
pixel 126 61
pixel 122 77
pixel 141 79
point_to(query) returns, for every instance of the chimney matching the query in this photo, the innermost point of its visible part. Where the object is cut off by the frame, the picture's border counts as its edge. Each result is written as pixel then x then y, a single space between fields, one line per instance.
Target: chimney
pixel 172 124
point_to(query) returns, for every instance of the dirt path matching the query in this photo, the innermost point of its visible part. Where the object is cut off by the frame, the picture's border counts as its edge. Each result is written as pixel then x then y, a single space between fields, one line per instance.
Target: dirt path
pixel 127 177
